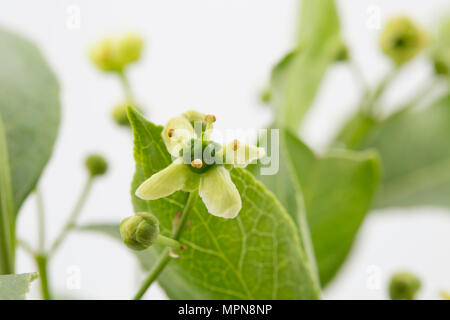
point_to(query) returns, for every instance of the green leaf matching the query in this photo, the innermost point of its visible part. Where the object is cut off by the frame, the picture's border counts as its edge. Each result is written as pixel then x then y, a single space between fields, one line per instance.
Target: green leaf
pixel 337 190
pixel 258 255
pixel 29 107
pixel 29 118
pixel 15 286
pixel 415 152
pixel 296 79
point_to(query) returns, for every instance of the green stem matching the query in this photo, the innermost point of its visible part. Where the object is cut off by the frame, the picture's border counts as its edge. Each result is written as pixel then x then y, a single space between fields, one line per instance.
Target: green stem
pixel 164 258
pixel 166 241
pixel 358 75
pixel 7 210
pixel 41 220
pixel 127 88
pixel 73 217
pixel 42 262
pixel 370 99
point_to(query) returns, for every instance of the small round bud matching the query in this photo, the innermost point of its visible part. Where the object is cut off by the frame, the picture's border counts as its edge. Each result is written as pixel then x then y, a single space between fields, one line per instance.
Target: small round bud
pixel 265 95
pixel 404 286
pixel 96 165
pixel 129 48
pixel 113 54
pixel 120 115
pixel 342 54
pixel 401 40
pixel 139 231
pixel 104 55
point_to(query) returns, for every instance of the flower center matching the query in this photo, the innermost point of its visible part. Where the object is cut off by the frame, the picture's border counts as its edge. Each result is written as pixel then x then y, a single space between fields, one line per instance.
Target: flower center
pixel 200 155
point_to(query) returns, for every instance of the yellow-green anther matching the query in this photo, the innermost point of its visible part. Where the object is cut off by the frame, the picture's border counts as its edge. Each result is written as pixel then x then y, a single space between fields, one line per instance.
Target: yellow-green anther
pixel 177 132
pixel 96 165
pixel 129 48
pixel 401 40
pixel 219 193
pixel 140 231
pixel 404 286
pixel 197 163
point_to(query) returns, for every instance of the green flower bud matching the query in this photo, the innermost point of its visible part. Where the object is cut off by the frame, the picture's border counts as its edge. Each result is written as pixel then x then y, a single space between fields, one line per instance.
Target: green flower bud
pixel 140 231
pixel 96 165
pixel 104 56
pixel 120 115
pixel 402 40
pixel 265 95
pixel 129 48
pixel 113 54
pixel 404 286
pixel 342 54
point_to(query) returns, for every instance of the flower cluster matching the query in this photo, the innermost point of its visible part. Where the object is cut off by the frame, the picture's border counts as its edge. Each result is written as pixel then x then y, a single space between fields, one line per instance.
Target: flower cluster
pixel 200 163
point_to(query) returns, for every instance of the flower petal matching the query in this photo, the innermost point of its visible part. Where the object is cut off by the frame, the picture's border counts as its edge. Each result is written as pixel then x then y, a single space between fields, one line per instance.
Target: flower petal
pixel 176 176
pixel 176 133
pixel 241 155
pixel 219 193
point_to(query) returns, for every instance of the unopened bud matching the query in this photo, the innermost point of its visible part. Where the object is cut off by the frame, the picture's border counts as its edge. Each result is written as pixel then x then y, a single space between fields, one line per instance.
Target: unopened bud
pixel 96 165
pixel 404 286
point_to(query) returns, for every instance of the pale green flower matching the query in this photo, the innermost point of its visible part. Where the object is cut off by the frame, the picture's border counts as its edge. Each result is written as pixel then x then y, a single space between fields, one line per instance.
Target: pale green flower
pixel 200 163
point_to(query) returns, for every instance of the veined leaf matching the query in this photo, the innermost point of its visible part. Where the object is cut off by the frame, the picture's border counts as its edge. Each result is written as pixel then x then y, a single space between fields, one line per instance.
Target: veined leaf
pixel 15 286
pixel 335 191
pixel 257 255
pixel 29 119
pixel 296 79
pixel 415 151
pixel 29 106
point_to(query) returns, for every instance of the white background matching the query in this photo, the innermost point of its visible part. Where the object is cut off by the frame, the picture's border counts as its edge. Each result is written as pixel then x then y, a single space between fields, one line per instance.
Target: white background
pixel 215 56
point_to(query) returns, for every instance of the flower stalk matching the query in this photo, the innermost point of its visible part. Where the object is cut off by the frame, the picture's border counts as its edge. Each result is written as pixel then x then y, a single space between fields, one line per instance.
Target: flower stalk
pixel 165 257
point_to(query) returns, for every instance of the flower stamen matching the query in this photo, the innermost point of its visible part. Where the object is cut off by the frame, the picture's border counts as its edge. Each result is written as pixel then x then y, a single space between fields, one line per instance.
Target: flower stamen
pixel 236 144
pixel 210 118
pixel 197 163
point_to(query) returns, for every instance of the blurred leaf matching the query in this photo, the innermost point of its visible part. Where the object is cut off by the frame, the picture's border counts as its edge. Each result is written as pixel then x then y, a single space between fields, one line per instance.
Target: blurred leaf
pixel 15 286
pixel 29 107
pixel 296 79
pixel 29 119
pixel 415 151
pixel 257 255
pixel 441 49
pixel 337 189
